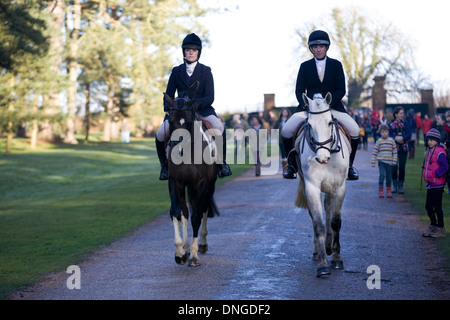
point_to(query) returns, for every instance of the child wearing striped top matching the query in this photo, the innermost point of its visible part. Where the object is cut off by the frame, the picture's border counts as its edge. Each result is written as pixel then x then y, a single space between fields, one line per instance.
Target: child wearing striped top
pixel 385 151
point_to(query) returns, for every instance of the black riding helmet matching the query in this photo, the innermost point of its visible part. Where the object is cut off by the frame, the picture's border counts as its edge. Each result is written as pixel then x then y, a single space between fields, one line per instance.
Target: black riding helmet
pixel 192 41
pixel 318 37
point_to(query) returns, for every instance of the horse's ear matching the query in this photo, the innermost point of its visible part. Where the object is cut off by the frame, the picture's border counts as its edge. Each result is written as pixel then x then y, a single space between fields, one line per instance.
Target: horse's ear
pixel 305 99
pixel 328 98
pixel 169 100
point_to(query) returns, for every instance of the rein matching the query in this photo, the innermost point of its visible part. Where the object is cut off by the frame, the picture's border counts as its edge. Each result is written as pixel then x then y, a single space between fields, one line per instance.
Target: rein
pixel 318 112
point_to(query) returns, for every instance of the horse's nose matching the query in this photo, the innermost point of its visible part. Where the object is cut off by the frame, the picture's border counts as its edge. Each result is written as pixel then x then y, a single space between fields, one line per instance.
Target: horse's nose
pixel 323 161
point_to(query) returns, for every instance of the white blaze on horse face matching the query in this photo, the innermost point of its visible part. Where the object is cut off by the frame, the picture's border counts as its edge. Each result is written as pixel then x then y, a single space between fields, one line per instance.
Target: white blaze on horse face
pixel 182 121
pixel 322 131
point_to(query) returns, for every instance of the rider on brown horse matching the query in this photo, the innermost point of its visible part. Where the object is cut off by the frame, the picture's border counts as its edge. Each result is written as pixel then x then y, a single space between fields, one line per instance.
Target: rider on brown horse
pixel 321 74
pixel 181 79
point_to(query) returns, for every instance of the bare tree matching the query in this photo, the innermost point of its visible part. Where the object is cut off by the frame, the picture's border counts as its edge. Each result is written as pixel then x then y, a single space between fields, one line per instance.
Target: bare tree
pixel 368 48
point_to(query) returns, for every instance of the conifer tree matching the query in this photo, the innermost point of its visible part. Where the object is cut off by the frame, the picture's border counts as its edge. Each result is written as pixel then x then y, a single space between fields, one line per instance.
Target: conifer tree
pixel 24 60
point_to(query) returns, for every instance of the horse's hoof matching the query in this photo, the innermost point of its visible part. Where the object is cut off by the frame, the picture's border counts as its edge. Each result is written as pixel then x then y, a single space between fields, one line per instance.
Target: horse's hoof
pixel 194 262
pixel 338 265
pixel 325 271
pixel 202 248
pixel 181 260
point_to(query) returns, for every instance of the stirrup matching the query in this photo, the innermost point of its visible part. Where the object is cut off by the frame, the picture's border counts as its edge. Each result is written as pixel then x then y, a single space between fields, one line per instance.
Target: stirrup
pixel 290 172
pixel 352 174
pixel 164 174
pixel 291 166
pixel 224 170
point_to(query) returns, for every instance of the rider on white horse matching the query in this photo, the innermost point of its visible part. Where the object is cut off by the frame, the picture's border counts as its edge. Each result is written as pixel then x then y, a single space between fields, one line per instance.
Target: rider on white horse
pixel 321 74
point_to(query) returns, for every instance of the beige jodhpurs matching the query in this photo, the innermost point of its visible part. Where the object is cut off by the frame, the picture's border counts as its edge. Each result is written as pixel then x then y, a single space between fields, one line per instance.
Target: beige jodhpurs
pixel 163 132
pixel 291 125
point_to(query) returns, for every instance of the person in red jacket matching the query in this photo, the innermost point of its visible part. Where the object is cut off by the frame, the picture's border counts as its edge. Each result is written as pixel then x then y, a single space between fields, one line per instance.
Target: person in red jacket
pixel 418 126
pixel 434 170
pixel 427 124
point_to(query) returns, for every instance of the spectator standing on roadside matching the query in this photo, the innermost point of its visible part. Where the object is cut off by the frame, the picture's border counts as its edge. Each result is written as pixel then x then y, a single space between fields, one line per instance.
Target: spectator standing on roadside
pixel 434 171
pixel 412 124
pixel 418 126
pixel 125 131
pixel 440 126
pixel 385 152
pixel 365 124
pixel 257 124
pixel 427 124
pixel 447 149
pixel 401 132
pixel 447 124
pixel 375 123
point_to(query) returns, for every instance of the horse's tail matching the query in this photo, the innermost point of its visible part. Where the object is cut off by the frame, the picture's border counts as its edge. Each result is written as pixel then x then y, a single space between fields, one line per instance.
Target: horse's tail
pixel 300 200
pixel 213 210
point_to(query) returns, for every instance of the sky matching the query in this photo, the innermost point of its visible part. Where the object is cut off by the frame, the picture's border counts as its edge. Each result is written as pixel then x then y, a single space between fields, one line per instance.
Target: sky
pixel 252 47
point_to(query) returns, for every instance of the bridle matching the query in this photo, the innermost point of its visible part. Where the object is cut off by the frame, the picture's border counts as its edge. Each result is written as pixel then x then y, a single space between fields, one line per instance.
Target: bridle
pixel 179 108
pixel 317 145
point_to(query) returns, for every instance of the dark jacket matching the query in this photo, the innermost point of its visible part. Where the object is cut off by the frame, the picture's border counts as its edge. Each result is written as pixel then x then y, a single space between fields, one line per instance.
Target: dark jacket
pixel 333 81
pixel 179 81
pixel 400 128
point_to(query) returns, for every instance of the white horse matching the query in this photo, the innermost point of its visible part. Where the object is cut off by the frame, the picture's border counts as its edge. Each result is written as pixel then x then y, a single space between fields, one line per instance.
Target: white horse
pixel 324 159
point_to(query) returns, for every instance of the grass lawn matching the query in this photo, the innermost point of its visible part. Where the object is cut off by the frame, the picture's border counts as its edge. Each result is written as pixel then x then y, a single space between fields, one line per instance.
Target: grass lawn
pixel 60 203
pixel 415 193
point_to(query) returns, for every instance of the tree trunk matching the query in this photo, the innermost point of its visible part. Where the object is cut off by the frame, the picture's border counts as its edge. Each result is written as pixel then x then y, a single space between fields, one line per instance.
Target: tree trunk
pixel 71 93
pixel 34 128
pixel 52 104
pixel 108 120
pixel 34 133
pixel 10 134
pixel 87 113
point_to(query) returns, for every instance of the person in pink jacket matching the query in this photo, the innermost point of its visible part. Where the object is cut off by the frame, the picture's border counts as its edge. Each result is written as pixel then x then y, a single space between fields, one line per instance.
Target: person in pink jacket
pixel 434 169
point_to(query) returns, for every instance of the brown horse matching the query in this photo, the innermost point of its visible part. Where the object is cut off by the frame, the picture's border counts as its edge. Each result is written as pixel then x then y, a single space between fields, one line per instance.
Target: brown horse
pixel 192 167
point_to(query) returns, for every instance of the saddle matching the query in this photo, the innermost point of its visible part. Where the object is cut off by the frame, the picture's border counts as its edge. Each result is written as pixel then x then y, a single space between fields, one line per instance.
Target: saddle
pixel 206 125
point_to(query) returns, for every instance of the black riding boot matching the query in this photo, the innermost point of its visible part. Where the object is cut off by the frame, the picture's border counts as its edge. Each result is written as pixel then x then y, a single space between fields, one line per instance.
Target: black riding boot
pixel 292 164
pixel 164 175
pixel 224 170
pixel 352 174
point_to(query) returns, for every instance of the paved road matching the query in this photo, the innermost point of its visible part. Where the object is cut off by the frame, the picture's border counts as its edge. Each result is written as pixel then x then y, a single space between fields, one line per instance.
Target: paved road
pixel 261 248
